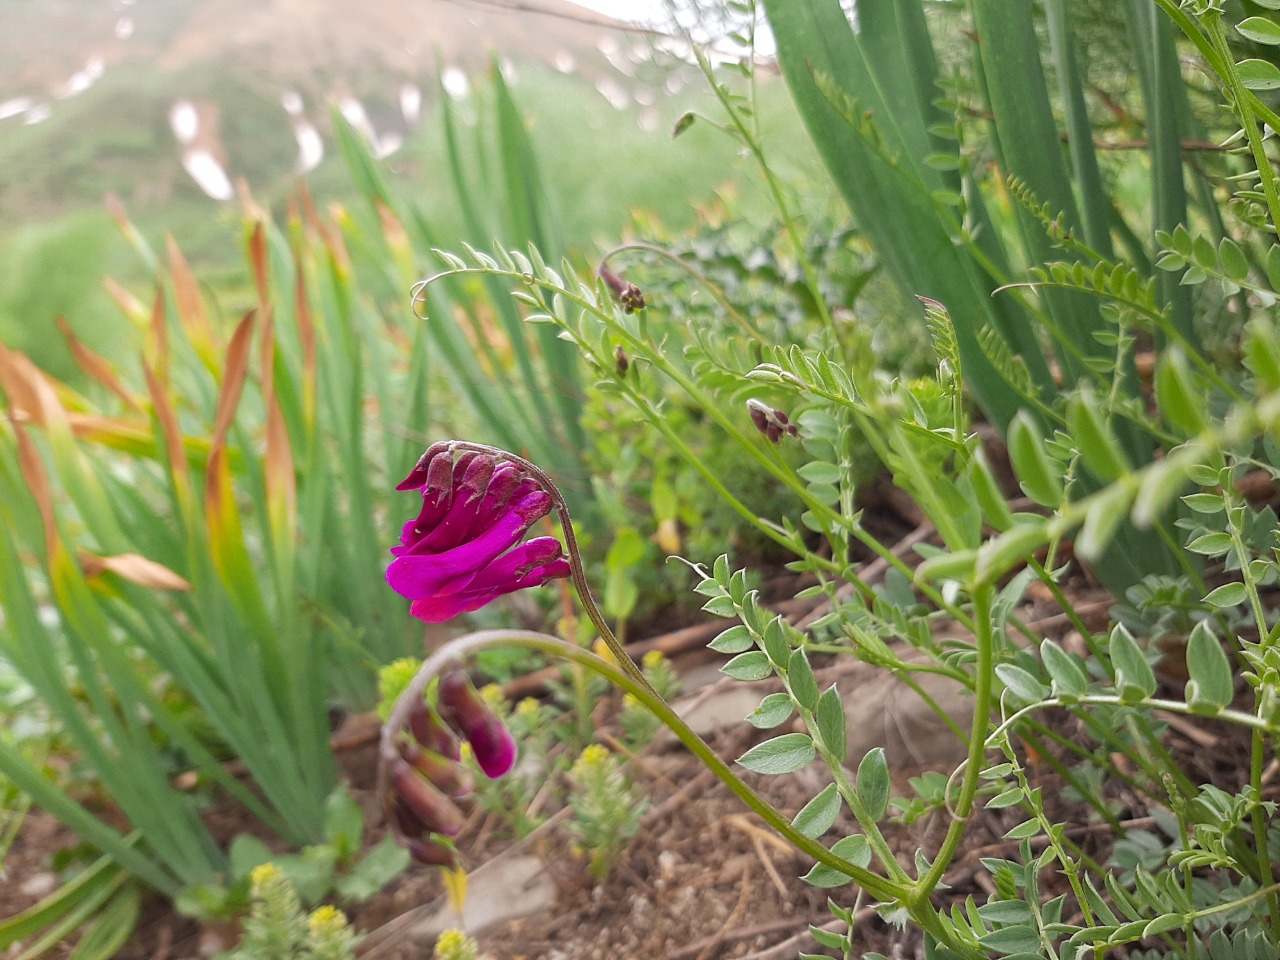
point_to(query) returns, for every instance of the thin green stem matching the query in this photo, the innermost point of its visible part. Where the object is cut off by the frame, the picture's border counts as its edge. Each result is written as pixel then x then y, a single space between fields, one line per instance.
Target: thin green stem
pixel 456 650
pixel 984 673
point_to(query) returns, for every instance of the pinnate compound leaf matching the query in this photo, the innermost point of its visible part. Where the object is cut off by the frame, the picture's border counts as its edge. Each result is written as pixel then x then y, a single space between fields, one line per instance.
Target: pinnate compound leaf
pixel 1176 395
pixel 831 725
pixel 785 754
pixel 816 817
pixel 1021 683
pixel 1067 673
pixel 748 667
pixel 737 639
pixel 1103 518
pixel 1093 437
pixel 801 681
pixel 1039 477
pixel 1163 924
pixel 1012 941
pixel 1260 30
pixel 1259 74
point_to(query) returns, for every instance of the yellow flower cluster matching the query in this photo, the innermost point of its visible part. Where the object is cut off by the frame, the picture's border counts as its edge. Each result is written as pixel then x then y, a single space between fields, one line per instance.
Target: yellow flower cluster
pixel 263 876
pixel 592 757
pixel 326 920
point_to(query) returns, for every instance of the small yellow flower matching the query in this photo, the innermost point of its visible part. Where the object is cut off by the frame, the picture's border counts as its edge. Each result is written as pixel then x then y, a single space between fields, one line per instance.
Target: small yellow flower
pixel 528 708
pixel 653 659
pixel 601 650
pixel 264 875
pixel 455 945
pixel 466 754
pixel 326 919
pixel 630 701
pixel 491 694
pixel 592 758
pixel 392 679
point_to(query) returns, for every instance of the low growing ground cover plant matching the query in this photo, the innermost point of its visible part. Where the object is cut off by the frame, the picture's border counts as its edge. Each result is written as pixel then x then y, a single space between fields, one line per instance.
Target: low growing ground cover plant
pixel 1144 480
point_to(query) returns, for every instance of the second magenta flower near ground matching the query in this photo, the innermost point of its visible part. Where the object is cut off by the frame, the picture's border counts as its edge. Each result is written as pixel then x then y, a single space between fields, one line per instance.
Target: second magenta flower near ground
pixel 467 545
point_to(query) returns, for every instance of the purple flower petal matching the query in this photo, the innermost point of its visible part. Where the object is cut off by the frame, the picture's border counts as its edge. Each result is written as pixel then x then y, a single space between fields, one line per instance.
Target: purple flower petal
pixel 418 475
pixel 421 575
pixel 531 564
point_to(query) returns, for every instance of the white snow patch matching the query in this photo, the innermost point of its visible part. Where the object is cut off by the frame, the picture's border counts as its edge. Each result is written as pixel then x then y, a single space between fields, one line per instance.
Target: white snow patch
pixel 310 147
pixel 184 121
pixel 208 174
pixel 411 103
pixel 455 83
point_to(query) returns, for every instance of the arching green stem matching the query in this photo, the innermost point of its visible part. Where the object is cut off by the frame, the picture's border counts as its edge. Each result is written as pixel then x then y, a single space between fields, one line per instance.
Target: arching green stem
pixel 457 650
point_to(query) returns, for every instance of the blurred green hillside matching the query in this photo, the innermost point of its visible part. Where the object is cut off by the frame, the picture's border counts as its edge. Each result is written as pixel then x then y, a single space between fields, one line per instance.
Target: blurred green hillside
pixel 57 241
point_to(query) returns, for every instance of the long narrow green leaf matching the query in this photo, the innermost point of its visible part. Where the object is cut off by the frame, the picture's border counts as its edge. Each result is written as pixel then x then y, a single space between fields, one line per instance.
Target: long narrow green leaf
pixel 1095 204
pixel 1031 151
pixel 877 178
pixel 1164 92
pixel 98 875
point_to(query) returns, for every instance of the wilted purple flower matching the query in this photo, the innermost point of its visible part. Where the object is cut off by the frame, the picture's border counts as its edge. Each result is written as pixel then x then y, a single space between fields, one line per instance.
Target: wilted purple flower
pixel 771 422
pixel 628 294
pixel 466 547
pixel 431 733
pixel 420 807
pixel 450 776
pixel 491 742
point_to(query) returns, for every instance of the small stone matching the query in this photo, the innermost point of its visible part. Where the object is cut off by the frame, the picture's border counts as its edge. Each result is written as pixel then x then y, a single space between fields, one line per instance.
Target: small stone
pixel 40 884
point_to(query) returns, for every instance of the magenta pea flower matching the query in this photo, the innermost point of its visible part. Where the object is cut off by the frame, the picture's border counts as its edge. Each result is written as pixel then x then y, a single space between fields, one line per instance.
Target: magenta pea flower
pixel 468 545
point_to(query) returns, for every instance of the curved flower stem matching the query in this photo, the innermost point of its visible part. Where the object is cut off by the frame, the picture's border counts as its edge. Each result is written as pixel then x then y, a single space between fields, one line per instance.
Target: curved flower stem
pixel 881 888
pixel 703 280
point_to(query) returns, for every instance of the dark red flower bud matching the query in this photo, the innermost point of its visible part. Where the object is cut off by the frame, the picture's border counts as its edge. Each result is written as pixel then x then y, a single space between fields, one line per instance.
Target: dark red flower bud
pixel 621 360
pixel 463 708
pixel 431 853
pixel 430 731
pixel 628 294
pixel 418 475
pixel 418 804
pixel 771 422
pixel 449 776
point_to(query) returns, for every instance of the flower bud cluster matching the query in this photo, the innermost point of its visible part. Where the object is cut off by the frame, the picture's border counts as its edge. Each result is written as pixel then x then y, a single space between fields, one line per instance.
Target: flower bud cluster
pixel 627 294
pixel 428 778
pixel 771 422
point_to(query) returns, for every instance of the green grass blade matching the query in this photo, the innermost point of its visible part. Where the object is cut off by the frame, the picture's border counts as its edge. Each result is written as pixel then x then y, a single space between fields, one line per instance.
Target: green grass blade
pixel 1032 151
pixel 1165 95
pixel 1095 203
pixel 894 209
pixel 97 876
